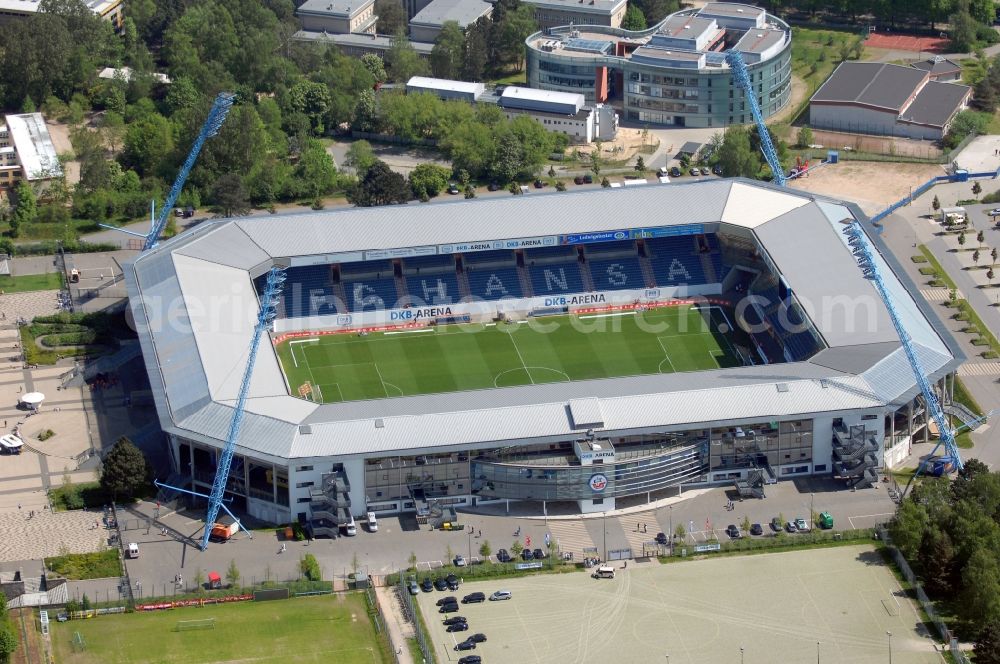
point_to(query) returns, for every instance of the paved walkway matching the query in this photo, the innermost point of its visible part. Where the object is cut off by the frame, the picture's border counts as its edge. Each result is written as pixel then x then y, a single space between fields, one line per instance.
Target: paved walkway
pixel 28 305
pixel 49 534
pixel 399 628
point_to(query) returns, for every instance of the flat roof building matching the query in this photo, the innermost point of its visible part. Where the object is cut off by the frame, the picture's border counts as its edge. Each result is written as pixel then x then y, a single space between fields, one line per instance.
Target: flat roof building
pixel 27 151
pixel 886 100
pixel 426 25
pixel 110 10
pixel 553 13
pixel 338 16
pixel 940 69
pixel 446 88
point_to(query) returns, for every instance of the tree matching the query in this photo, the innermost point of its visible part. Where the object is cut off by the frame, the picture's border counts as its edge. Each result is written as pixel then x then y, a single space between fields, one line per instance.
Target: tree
pixel 233 573
pixel 124 469
pixel 412 560
pixel 429 180
pixel 993 255
pixel 391 16
pixel 595 162
pixel 961 239
pixel 981 581
pixel 360 157
pixel 936 204
pixel 937 562
pixel 199 581
pixel 980 236
pixel 987 648
pixel 402 60
pixel 316 174
pixel 963 29
pixel 365 112
pixel 634 19
pixel 26 208
pixel 605 182
pixel 149 141
pixel 312 100
pixel 448 52
pixel 736 156
pixel 640 165
pixel 975 257
pixel 380 186
pixel 230 196
pixel 375 66
pixel 513 28
pixel 8 642
pixel 805 136
pixel 679 532
pixel 516 548
pixel 976 189
pixel 475 50
pixel 907 530
pixel 484 549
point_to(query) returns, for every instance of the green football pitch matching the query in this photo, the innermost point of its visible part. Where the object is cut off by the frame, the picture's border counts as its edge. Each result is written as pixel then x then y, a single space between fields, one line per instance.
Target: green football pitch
pixel 328 628
pixel 450 358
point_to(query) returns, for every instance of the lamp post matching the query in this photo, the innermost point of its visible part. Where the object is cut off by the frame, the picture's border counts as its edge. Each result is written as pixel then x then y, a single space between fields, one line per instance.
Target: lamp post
pixel 817 652
pixel 811 511
pixel 604 526
pixel 889 634
pixel 741 654
pixel 670 536
pixel 470 546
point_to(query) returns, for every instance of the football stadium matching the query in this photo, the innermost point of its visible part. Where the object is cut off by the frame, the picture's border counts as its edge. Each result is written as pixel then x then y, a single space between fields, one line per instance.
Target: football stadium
pixel 578 347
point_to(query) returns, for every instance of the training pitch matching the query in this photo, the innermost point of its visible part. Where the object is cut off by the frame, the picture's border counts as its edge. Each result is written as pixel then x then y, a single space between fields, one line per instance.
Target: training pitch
pixel 777 607
pixel 459 357
pixel 311 629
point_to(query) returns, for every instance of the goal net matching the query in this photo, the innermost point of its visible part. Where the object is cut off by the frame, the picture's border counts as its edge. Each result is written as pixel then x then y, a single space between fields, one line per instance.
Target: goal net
pixel 187 625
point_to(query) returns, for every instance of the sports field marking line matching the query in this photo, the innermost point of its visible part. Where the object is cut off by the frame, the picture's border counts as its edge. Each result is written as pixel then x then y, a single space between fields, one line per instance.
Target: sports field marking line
pixel 496 378
pixel 850 519
pixel 384 388
pixel 291 348
pixel 520 357
pixel 424 329
pixel 618 313
pixel 666 356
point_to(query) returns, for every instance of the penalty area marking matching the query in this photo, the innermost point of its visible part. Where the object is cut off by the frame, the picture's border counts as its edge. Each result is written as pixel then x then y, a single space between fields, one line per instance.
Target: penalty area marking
pixel 300 341
pixel 527 371
pixel 617 313
pixel 666 357
pixel 424 329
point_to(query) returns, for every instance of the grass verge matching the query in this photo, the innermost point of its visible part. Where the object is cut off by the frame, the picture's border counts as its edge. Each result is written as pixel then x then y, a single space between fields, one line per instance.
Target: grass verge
pixel 963 397
pixel 31 282
pixel 941 274
pixel 79 566
pixel 71 496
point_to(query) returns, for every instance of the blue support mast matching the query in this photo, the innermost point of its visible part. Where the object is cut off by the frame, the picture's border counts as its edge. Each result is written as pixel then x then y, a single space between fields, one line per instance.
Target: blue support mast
pixel 742 76
pixel 268 301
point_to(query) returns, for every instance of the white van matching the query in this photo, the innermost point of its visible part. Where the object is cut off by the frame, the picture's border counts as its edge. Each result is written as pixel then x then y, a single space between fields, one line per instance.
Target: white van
pixel 604 572
pixel 11 444
pixel 351 528
pixel 133 550
pixel 372 522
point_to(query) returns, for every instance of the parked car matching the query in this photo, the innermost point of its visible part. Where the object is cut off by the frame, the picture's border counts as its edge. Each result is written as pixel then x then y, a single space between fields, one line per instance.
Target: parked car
pixel 500 595
pixel 454 620
pixel 503 556
pixel 427 585
pixel 756 529
pixel 538 554
pixel 478 638
pixel 675 172
pixel 539 184
pixel 802 525
pixel 62 616
pixel 413 587
pixel 459 627
pixel 578 179
pixel 527 555
pixel 450 599
pixel 474 598
pixel 994 212
pixel 465 645
pixel 661 538
pixel 704 170
pixel 790 527
pixel 776 524
pixel 471 659
pixel 372 522
pixel 733 531
pixel 459 561
pixel 449 608
pixel 440 584
pixel 493 186
pixel 694 171
pixel 588 179
pixel 452 188
pixel 452 582
pixel 717 169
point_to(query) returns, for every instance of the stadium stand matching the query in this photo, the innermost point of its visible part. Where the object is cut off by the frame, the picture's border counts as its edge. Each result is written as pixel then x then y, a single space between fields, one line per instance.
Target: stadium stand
pixel 617 273
pixel 308 291
pixel 492 275
pixel 673 261
pixel 369 285
pixel 432 279
pixel 554 270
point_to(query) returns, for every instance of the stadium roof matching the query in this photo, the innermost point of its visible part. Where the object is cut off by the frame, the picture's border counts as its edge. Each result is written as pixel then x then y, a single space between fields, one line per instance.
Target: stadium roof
pixel 195 303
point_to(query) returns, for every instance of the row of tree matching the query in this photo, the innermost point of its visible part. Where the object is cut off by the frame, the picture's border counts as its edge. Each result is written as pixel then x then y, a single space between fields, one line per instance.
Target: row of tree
pixel 949 531
pixel 888 13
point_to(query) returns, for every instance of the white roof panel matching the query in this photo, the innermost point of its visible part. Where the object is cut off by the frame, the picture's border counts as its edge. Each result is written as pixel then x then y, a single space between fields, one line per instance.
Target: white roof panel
pixel 750 206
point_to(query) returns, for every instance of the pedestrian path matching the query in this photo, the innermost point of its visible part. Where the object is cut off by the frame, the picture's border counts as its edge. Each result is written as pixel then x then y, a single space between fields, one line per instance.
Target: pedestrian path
pixel 979 369
pixel 571 536
pixel 939 294
pixel 49 534
pixel 633 527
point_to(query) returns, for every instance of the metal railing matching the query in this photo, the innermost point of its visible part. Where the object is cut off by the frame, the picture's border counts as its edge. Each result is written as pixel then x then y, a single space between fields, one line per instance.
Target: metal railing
pixel 410 611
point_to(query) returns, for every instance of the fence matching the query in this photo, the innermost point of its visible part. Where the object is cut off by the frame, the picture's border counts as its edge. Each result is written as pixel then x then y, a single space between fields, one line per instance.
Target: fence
pixel 378 620
pixel 125 584
pixel 925 602
pixel 410 612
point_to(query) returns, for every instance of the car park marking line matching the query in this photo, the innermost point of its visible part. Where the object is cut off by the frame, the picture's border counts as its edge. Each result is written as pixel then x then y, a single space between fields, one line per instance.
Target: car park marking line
pixel 850 519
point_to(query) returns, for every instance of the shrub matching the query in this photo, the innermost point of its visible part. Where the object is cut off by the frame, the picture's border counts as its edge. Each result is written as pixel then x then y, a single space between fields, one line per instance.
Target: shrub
pixel 45 435
pixel 928 271
pixel 310 568
pixel 918 259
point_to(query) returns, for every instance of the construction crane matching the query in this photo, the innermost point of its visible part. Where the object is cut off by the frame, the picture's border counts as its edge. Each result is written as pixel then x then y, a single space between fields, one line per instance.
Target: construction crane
pixel 742 76
pixel 216 116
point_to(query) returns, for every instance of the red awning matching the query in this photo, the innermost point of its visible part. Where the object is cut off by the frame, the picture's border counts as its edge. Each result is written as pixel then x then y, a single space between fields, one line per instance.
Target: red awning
pixel 214 576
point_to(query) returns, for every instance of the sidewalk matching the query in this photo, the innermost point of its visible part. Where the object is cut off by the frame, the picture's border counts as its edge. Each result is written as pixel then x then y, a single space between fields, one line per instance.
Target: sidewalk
pixel 399 628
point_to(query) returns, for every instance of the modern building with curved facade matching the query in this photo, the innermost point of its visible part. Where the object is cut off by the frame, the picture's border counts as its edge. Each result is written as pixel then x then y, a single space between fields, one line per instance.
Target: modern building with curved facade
pixel 675 73
pixel 834 397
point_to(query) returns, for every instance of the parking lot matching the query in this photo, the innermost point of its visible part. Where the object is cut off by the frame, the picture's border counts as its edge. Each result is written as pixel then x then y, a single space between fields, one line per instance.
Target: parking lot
pixel 834 604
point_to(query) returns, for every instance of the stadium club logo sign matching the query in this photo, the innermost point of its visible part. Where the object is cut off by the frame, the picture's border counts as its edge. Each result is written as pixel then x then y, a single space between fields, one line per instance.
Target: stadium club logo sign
pixel 595 237
pixel 598 482
pixel 421 312
pixel 562 301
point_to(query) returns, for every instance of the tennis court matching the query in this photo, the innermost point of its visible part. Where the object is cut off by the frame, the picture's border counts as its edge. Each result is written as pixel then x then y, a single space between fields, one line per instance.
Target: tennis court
pixel 458 357
pixel 782 607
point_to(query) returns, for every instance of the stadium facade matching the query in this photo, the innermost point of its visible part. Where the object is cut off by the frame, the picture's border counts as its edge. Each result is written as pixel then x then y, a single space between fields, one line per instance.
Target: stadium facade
pixel 825 388
pixel 674 73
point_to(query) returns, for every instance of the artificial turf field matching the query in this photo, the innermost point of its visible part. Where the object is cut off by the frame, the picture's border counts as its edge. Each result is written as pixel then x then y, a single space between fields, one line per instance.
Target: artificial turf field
pixel 328 628
pixel 449 358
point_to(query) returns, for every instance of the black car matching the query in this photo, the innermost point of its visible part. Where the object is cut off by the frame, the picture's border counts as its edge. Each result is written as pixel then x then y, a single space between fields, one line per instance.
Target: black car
pixel 454 620
pixel 494 186
pixel 478 638
pixel 675 172
pixel 527 555
pixel 466 645
pixel 450 607
pixel 733 531
pixel 539 184
pixel 661 538
pixel 756 529
pixel 578 179
pixel 503 556
pixel 717 169
pixel 440 584
pixel 453 188
pixel 450 599
pixel 458 627
pixel 471 659
pixel 452 582
pixel 427 585
pixel 588 179
pixel 538 554
pixel 474 598
pixel 776 524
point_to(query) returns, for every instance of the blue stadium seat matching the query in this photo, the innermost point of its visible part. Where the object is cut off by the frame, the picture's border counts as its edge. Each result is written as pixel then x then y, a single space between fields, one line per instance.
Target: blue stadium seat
pixel 551 278
pixel 494 283
pixel 434 288
pixel 544 253
pixel 424 263
pixel 674 261
pixel 615 247
pixel 369 286
pixel 308 291
pixel 617 273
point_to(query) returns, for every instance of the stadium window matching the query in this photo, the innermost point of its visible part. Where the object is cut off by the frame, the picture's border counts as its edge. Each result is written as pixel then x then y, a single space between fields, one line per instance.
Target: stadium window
pixel 303 500
pixel 598 501
pixel 869 417
pixel 820 467
pixel 302 469
pixel 303 485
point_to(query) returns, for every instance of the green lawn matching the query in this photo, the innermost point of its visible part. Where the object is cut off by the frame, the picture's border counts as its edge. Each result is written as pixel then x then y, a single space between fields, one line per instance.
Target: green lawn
pixel 328 628
pixel 447 358
pixel 31 282
pixel 100 565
